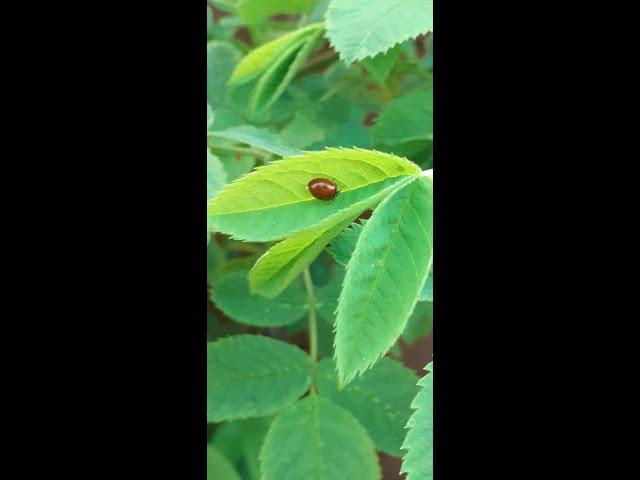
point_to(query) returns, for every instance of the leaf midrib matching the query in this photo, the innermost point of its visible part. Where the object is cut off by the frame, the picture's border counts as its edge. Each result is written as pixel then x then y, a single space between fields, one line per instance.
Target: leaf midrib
pixel 303 201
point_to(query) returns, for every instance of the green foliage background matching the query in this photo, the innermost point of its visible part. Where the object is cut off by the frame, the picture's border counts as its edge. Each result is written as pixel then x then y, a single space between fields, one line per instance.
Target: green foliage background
pixel 312 305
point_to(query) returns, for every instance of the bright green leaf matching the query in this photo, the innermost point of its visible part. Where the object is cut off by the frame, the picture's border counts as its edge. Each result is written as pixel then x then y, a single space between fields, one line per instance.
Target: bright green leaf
pixel 283 262
pixel 381 65
pixel 222 58
pixel 418 462
pixel 230 294
pixel 273 201
pixel 218 467
pixel 216 175
pixel 317 439
pixel 364 28
pixel 257 137
pixel 379 399
pixel 253 376
pixel 279 75
pixel 384 277
pixel 259 59
pixel 406 119
pixel 254 11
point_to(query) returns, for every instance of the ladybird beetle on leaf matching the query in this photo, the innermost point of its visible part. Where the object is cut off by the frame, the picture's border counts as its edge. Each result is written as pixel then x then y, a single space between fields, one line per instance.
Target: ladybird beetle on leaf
pixel 323 189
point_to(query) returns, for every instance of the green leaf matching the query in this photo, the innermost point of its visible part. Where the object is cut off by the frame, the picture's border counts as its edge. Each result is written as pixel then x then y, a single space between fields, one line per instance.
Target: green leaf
pixel 319 11
pixel 253 376
pixel 273 201
pixel 381 65
pixel 215 258
pixel 218 467
pixel 302 131
pixel 426 294
pixel 349 134
pixel 237 165
pixel 420 322
pixel 231 294
pixel 279 75
pixel 384 277
pixel 379 399
pixel 254 11
pixel 406 119
pixel 210 116
pixel 224 118
pixel 342 247
pixel 252 445
pixel 222 58
pixel 328 297
pixel 229 437
pixel 418 462
pixel 259 59
pixel 317 439
pixel 257 137
pixel 216 175
pixel 282 263
pixel 364 28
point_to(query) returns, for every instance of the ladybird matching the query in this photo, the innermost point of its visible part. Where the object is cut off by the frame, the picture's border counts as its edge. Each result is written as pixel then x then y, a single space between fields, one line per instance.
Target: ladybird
pixel 323 189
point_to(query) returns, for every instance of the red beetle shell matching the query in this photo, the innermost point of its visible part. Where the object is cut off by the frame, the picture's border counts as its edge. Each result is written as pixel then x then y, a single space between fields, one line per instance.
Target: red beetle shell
pixel 323 189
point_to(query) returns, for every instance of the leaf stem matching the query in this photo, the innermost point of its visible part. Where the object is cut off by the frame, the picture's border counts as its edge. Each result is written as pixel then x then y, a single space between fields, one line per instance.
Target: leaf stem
pixel 313 320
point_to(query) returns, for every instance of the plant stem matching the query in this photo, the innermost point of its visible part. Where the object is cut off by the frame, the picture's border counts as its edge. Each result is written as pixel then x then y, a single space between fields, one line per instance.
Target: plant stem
pixel 313 321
